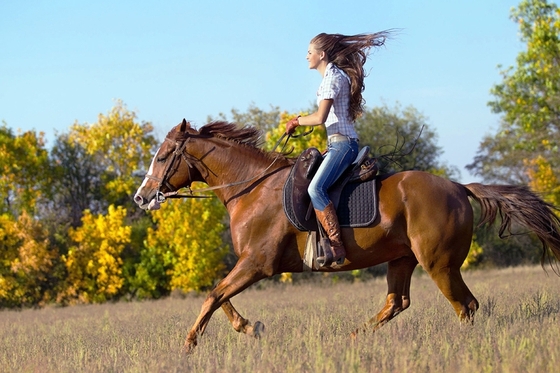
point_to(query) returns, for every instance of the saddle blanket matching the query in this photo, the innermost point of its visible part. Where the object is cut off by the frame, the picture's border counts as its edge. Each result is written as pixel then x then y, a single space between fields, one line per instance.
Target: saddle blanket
pixel 357 206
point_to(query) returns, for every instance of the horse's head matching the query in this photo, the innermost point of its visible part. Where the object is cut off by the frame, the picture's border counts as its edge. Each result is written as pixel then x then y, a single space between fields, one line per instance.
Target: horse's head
pixel 170 169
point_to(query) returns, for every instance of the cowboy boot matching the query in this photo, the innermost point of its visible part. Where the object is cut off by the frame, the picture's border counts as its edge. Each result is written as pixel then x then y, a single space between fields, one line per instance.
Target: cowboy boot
pixel 329 221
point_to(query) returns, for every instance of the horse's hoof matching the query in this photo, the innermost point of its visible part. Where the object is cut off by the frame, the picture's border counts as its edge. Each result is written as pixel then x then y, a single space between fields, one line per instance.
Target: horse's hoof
pixel 256 330
pixel 189 346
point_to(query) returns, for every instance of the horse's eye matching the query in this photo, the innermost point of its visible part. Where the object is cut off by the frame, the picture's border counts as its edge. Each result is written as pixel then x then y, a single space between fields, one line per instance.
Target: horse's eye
pixel 163 154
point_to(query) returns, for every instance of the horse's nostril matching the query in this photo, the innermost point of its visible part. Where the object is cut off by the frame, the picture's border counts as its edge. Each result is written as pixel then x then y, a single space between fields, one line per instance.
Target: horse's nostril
pixel 138 199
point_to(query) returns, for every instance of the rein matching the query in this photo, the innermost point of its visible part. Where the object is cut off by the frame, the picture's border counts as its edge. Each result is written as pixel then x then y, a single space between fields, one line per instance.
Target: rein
pixel 180 150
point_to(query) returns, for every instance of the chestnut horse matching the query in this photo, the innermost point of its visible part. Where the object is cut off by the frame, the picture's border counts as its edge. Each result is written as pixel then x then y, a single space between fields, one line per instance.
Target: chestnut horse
pixel 422 219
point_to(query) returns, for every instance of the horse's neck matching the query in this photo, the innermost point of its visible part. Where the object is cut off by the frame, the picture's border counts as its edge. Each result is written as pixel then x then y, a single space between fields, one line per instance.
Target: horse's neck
pixel 234 166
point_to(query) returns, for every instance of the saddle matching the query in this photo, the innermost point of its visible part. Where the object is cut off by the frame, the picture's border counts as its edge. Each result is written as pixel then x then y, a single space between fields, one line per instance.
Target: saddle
pixel 353 194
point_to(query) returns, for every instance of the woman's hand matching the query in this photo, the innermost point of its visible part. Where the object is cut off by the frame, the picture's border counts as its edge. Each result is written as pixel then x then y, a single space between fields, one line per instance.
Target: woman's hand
pixel 292 124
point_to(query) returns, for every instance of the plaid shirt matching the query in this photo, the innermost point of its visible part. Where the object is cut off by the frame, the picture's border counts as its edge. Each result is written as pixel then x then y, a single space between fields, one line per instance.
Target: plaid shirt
pixel 336 86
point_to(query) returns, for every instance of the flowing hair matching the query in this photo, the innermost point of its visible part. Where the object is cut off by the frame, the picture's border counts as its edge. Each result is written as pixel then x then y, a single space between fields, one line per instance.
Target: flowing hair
pixel 349 53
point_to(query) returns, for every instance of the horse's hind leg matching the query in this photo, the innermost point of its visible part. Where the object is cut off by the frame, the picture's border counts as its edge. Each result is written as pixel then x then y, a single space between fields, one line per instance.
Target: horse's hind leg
pixel 240 324
pixel 399 273
pixel 451 284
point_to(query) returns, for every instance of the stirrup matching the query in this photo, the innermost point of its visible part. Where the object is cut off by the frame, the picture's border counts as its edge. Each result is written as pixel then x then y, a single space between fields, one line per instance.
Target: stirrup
pixel 326 259
pixel 323 261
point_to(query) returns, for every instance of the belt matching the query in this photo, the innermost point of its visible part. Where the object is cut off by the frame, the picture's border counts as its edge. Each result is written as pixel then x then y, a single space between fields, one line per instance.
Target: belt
pixel 337 137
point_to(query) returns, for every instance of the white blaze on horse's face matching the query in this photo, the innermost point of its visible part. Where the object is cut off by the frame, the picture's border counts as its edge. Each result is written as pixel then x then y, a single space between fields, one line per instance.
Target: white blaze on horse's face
pixel 153 204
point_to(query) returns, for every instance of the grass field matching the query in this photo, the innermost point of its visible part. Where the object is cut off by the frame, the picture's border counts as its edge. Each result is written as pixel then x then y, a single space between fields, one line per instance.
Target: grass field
pixel 517 329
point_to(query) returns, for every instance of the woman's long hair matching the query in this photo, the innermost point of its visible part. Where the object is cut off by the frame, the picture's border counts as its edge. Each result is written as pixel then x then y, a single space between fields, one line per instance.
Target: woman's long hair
pixel 349 53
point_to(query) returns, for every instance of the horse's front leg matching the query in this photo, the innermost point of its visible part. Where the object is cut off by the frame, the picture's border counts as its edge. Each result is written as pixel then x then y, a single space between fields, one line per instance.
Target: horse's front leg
pixel 240 324
pixel 241 276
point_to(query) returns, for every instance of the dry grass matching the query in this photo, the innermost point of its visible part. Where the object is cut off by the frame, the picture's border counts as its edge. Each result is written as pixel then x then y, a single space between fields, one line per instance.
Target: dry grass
pixel 307 326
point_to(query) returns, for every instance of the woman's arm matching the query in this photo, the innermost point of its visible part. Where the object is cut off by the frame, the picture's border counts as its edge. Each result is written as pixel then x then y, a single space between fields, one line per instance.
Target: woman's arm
pixel 315 119
pixel 318 117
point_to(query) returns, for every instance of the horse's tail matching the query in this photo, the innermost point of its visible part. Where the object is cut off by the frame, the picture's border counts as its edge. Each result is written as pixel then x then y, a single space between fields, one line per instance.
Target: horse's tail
pixel 520 205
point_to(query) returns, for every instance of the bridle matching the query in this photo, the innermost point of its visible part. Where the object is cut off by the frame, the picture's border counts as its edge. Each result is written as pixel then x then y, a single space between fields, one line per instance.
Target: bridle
pixel 180 152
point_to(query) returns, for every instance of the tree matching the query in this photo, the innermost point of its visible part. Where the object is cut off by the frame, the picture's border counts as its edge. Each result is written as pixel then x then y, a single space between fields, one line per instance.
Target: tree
pixel 93 262
pixel 405 137
pixel 544 178
pixel 525 148
pixel 25 262
pixel 185 250
pixel 316 139
pixel 255 117
pixel 24 170
pixel 120 146
pixel 26 258
pixel 401 133
pixel 77 183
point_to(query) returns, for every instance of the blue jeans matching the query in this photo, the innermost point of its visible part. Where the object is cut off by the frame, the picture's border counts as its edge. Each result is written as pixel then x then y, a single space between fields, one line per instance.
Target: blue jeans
pixel 339 156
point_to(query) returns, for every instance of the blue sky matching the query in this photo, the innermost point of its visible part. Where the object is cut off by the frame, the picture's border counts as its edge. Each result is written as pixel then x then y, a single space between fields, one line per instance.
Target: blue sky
pixel 68 61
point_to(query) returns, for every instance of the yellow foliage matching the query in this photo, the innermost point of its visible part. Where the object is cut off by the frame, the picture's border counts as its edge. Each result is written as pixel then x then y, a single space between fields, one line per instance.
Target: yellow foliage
pixel 34 256
pixel 25 260
pixel 93 263
pixel 8 253
pixel 122 144
pixel 316 139
pixel 286 277
pixel 543 179
pixel 189 238
pixel 23 162
pixel 474 255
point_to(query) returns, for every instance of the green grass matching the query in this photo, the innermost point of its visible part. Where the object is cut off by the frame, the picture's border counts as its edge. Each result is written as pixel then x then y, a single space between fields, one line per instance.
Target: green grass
pixel 517 329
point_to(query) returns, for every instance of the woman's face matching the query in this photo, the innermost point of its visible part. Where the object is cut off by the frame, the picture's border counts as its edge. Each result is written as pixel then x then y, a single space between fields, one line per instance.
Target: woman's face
pixel 314 56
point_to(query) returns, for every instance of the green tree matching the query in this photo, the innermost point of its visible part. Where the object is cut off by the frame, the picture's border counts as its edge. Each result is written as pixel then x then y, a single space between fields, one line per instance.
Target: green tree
pixel 525 148
pixel 405 137
pixel 77 182
pixel 254 116
pixel 528 98
pixel 404 133
pixel 24 170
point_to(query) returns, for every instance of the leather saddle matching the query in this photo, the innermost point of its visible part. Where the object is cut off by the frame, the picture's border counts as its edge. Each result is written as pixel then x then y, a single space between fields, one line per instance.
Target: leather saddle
pixel 353 194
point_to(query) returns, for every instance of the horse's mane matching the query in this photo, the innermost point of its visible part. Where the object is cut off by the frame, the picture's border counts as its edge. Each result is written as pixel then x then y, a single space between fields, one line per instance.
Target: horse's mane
pixel 249 136
pixel 246 135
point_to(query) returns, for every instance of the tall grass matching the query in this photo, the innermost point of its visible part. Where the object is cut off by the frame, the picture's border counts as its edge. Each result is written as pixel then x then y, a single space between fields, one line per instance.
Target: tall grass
pixel 307 330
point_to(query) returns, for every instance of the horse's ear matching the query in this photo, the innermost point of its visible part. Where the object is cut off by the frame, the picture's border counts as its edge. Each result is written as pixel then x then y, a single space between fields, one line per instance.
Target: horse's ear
pixel 185 125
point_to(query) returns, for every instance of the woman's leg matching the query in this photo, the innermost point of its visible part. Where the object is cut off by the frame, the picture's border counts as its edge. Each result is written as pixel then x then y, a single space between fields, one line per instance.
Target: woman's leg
pixel 339 156
pixel 337 159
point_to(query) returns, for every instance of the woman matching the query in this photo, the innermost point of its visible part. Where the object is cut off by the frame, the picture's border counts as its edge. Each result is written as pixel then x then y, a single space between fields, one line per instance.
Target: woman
pixel 340 60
